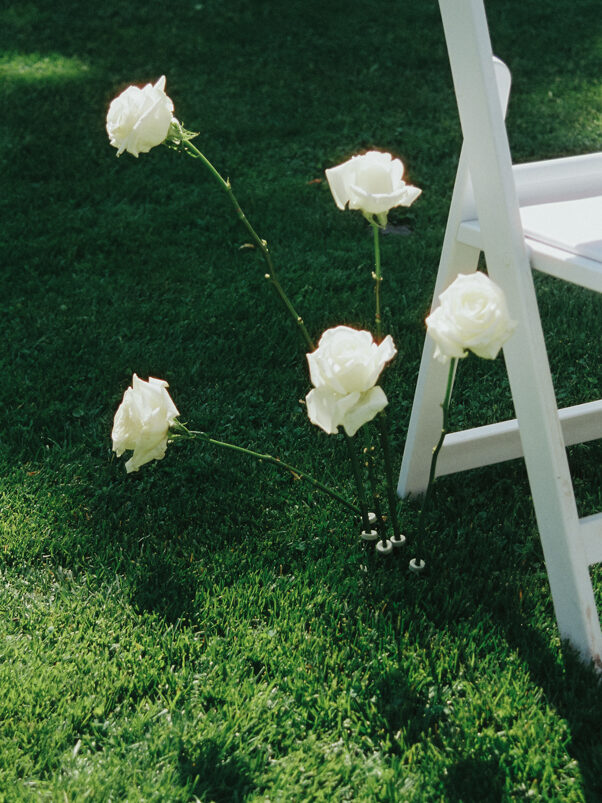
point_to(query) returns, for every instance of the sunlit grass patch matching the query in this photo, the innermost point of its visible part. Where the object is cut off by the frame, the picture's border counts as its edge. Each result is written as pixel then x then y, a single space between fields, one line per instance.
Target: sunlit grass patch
pixel 31 68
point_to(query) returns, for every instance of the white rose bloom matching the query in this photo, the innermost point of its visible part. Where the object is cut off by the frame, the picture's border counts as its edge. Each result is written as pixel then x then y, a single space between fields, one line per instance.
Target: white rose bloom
pixel 142 422
pixel 472 314
pixel 372 182
pixel 139 119
pixel 344 370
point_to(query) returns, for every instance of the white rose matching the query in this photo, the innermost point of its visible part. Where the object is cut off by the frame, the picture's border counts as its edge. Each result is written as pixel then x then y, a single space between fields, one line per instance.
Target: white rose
pixel 142 422
pixel 139 119
pixel 371 182
pixel 344 370
pixel 472 314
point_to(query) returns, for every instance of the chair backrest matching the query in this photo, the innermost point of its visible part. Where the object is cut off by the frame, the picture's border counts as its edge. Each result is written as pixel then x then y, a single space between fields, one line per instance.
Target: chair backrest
pixel 476 72
pixel 482 121
pixel 503 80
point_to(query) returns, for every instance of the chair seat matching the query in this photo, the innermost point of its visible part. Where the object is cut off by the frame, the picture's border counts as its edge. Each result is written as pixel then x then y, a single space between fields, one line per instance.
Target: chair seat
pixel 573 226
pixel 563 238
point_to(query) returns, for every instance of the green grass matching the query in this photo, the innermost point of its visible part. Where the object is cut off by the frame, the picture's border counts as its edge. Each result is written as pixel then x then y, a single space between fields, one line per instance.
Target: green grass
pixel 209 629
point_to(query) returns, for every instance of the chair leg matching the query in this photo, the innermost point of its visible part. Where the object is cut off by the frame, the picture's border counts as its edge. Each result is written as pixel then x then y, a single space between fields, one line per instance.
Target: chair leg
pixel 554 501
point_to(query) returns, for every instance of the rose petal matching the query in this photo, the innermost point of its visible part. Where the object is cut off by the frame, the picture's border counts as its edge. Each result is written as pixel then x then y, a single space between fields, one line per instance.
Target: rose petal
pixel 371 182
pixel 365 409
pixel 142 422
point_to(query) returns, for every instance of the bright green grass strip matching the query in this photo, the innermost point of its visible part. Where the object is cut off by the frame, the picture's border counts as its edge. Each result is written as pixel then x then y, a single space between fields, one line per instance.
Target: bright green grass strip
pixel 100 697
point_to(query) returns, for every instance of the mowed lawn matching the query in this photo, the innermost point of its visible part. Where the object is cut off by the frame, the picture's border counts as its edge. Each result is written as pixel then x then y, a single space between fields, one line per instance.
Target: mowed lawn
pixel 209 628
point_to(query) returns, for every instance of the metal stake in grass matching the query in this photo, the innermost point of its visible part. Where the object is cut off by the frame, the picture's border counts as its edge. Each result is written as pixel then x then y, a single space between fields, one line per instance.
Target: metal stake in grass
pixel 380 522
pixel 378 223
pixel 391 494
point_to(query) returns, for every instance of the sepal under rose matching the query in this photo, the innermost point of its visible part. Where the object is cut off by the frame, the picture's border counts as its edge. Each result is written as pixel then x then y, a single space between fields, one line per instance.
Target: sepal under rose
pixel 142 422
pixel 177 135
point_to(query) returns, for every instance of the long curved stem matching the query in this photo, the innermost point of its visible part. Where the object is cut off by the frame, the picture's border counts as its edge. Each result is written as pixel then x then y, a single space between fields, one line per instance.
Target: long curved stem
pixel 259 242
pixel 180 430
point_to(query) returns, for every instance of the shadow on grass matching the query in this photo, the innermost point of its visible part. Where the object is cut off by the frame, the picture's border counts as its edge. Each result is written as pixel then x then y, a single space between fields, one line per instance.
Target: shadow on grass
pixel 164 587
pixel 486 582
pixel 474 780
pixel 573 689
pixel 132 531
pixel 210 773
pixel 416 714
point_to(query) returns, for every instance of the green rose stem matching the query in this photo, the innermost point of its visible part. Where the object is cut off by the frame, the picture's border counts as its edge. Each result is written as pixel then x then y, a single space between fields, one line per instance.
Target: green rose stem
pixel 444 428
pixel 179 430
pixel 391 493
pixel 189 148
pixel 368 451
pixel 361 493
pixel 377 280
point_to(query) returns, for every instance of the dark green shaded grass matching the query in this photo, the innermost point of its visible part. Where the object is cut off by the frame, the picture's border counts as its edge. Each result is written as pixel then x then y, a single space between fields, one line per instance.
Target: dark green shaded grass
pixel 210 628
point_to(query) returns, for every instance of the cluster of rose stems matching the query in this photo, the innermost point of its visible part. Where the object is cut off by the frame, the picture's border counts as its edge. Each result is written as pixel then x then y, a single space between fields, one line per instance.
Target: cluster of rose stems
pixel 193 151
pixel 380 525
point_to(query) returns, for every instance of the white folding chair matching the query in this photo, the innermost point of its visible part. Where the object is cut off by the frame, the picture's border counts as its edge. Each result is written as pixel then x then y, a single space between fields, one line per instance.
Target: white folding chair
pixel 542 215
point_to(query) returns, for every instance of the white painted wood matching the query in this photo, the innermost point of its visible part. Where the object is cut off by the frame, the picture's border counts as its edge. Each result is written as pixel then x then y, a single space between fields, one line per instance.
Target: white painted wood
pixel 545 258
pixel 456 257
pixel 486 191
pixel 591 534
pixel 495 443
pixel 565 179
pixel 572 226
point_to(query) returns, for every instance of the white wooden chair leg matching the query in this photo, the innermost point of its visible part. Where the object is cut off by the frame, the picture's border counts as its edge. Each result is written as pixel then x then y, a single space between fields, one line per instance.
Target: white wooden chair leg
pixel 555 507
pixel 456 257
